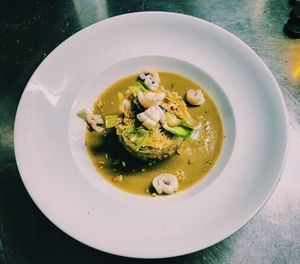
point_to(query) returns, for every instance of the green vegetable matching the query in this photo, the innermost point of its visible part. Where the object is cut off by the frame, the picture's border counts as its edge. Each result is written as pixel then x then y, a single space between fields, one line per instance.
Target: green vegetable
pixel 183 132
pixel 111 120
pixel 163 109
pixel 82 114
pixel 137 105
pixel 137 87
pixel 187 124
pixel 174 121
pixel 142 86
pixel 138 137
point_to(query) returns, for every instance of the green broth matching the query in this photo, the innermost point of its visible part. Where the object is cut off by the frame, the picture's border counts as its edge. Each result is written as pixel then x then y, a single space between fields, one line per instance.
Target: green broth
pixel 195 157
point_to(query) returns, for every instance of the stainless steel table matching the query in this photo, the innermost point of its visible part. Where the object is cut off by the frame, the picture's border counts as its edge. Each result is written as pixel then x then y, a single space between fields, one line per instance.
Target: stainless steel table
pixel 30 29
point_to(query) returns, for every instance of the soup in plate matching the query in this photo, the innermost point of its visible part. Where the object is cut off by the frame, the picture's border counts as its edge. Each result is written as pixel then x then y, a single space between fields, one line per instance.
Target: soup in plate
pixel 153 133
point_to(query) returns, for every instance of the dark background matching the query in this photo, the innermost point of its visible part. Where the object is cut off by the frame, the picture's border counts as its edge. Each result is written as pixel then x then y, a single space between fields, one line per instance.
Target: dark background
pixel 30 30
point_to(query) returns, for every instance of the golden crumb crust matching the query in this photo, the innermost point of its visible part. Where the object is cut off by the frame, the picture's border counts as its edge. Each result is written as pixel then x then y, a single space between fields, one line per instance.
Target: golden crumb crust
pixel 156 144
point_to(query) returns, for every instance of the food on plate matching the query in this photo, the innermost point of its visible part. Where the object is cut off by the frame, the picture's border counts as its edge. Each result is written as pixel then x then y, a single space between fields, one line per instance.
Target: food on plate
pixel 153 133
pixel 153 124
pixel 195 97
pixel 94 121
pixel 165 183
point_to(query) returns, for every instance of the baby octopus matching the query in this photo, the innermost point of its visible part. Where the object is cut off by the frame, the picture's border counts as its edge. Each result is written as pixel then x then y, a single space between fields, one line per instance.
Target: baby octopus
pixel 195 97
pixel 151 117
pixel 150 99
pixel 165 183
pixel 150 78
pixel 95 121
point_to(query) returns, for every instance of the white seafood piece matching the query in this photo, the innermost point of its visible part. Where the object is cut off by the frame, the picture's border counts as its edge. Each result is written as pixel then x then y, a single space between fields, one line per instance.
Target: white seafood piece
pixel 165 183
pixel 150 99
pixel 150 78
pixel 95 121
pixel 150 124
pixel 148 71
pixel 124 106
pixel 195 97
pixel 151 117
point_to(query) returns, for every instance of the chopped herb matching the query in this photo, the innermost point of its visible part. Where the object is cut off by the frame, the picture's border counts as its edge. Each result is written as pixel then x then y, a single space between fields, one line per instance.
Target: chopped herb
pixel 111 120
pixel 116 162
pixel 140 82
pixel 162 108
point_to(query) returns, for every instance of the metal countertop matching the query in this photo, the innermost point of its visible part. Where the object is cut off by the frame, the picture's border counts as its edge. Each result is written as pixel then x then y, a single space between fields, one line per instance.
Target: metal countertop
pixel 32 29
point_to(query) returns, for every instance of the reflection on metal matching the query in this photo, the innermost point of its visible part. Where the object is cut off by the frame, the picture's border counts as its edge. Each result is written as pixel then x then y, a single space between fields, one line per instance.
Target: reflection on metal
pixel 296 72
pixel 259 8
pixel 90 10
pixel 273 236
pixel 294 55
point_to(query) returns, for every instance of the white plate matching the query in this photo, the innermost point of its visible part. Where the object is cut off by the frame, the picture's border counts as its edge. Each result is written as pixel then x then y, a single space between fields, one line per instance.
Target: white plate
pixel 61 180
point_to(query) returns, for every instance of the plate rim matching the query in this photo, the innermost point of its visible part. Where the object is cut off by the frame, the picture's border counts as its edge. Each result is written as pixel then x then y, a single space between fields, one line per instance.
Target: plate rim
pixel 286 128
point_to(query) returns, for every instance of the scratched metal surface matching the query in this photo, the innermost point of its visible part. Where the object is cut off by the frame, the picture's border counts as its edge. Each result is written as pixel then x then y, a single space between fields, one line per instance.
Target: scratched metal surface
pixel 31 29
